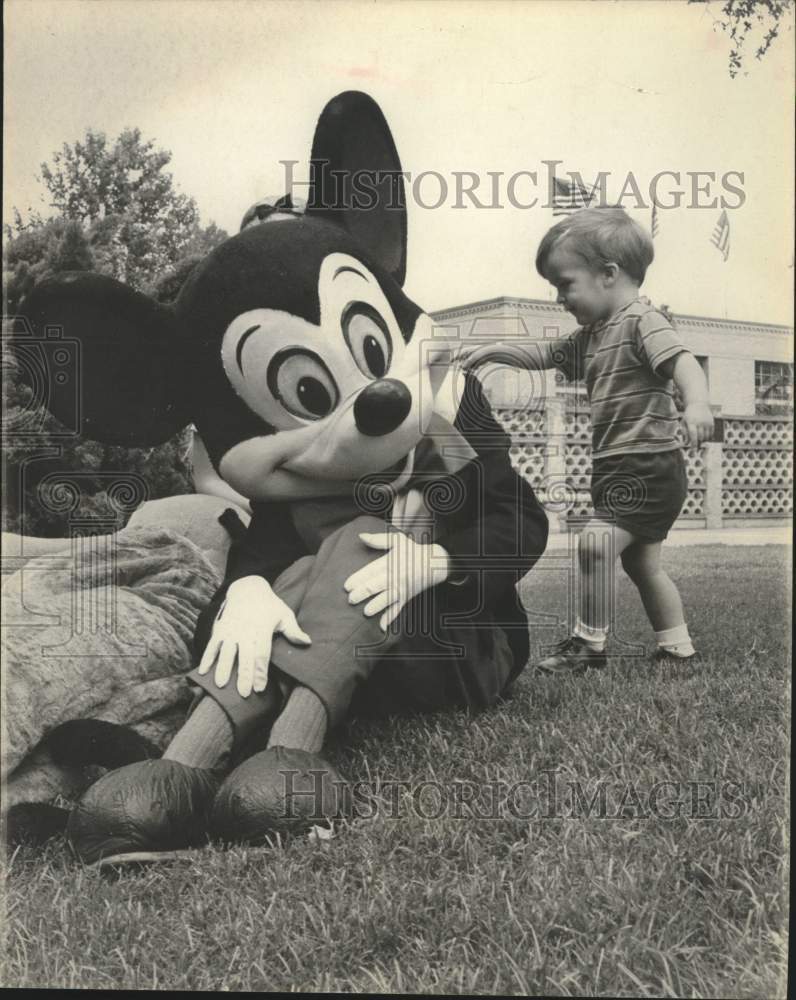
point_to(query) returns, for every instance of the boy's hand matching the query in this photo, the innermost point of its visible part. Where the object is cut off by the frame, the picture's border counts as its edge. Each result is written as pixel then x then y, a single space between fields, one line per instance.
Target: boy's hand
pixel 499 353
pixel 698 421
pixel 406 569
pixel 690 380
pixel 243 631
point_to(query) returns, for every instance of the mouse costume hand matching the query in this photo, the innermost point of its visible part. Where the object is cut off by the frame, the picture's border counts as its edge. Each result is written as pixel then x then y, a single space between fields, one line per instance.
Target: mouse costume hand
pixel 406 569
pixel 249 618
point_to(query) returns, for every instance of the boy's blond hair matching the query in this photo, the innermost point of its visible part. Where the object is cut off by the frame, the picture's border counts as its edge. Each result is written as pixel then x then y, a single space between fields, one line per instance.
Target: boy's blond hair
pixel 601 236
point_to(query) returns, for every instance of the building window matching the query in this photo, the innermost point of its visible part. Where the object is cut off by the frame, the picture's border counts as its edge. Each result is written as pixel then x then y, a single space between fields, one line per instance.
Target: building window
pixel 773 388
pixel 574 393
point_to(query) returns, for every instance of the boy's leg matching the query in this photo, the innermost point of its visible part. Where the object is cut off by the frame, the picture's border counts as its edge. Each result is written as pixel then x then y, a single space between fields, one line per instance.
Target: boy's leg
pixel 599 545
pixel 660 597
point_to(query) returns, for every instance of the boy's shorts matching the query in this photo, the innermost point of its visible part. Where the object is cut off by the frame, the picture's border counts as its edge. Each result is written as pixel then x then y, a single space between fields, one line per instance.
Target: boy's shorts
pixel 640 493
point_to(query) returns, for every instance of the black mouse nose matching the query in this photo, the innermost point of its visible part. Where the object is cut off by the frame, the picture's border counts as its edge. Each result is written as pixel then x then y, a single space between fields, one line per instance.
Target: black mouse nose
pixel 381 407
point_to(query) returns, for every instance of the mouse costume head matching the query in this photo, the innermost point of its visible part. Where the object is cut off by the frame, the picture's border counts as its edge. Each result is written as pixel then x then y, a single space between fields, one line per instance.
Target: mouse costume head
pixel 292 347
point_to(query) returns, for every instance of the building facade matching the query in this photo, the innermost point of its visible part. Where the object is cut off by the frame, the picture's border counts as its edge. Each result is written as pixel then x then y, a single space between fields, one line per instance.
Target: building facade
pixel 742 478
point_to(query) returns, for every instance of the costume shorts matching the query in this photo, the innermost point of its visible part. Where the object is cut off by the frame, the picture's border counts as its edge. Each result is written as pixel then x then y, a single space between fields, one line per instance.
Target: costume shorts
pixel 641 493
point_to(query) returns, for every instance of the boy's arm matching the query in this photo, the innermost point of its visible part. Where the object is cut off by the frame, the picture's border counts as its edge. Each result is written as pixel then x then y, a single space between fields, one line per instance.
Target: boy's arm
pixel 531 355
pixel 693 387
pixel 663 349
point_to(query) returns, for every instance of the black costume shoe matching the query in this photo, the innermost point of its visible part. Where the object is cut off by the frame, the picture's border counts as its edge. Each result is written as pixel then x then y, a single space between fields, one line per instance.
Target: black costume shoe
pixel 280 791
pixel 86 746
pixel 94 741
pixel 34 823
pixel 571 656
pixel 666 658
pixel 155 805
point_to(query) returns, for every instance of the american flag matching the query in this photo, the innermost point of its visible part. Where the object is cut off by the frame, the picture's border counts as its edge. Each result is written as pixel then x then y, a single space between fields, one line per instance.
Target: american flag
pixel 721 235
pixel 570 196
pixel 655 225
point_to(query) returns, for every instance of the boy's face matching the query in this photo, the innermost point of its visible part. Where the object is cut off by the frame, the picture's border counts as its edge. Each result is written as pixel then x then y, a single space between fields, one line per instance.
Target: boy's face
pixel 581 291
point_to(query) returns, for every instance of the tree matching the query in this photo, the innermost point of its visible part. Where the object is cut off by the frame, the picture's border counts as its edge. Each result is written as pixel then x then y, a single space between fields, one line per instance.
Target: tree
pixel 90 181
pixel 739 18
pixel 137 225
pixel 38 252
pixel 119 214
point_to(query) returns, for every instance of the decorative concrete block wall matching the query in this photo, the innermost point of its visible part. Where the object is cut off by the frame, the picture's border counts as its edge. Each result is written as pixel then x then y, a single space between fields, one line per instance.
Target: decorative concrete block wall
pixel 743 480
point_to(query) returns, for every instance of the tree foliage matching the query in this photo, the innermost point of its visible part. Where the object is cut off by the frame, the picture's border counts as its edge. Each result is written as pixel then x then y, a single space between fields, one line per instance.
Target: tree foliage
pixel 743 18
pixel 136 225
pixel 92 180
pixel 36 252
pixel 117 213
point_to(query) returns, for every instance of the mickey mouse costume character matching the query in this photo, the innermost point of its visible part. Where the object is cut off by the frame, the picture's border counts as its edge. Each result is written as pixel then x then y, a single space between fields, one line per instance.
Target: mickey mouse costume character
pixel 389 530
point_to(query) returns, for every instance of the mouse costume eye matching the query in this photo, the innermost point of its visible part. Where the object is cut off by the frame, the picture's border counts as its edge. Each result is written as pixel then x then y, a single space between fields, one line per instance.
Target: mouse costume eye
pixel 368 339
pixel 302 383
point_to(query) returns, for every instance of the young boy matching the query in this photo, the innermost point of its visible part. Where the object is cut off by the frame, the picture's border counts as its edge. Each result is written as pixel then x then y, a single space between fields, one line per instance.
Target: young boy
pixel 630 358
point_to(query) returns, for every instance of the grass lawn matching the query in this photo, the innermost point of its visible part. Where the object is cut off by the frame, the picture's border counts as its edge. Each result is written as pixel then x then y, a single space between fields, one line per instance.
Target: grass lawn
pixel 643 853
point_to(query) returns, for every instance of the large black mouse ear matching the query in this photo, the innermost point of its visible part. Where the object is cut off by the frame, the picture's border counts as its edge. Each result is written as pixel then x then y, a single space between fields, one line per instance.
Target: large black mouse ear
pixel 355 179
pixel 101 358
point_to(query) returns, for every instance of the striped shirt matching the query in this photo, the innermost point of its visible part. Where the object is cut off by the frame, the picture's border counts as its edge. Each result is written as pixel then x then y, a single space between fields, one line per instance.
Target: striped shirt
pixel 632 405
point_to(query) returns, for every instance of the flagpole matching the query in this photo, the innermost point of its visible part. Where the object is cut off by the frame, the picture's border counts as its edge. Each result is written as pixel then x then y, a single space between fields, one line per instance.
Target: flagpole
pixel 726 256
pixel 721 241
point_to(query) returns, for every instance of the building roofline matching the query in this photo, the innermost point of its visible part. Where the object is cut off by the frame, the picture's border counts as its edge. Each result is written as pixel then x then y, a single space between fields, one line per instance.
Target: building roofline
pixel 540 305
pixel 505 300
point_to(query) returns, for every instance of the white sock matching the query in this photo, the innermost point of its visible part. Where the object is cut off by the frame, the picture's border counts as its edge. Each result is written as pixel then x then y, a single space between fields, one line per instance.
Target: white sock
pixel 595 638
pixel 676 641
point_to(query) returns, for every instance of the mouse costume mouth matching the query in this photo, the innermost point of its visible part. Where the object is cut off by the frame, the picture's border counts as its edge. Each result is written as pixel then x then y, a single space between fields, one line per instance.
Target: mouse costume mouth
pixel 401 471
pixel 395 475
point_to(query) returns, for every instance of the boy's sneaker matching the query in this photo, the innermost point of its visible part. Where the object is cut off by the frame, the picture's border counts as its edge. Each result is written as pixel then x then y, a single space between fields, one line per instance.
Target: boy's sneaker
pixel 666 657
pixel 571 656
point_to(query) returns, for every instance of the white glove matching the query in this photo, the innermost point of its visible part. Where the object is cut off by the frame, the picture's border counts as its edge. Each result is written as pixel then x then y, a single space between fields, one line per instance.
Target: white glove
pixel 244 629
pixel 406 569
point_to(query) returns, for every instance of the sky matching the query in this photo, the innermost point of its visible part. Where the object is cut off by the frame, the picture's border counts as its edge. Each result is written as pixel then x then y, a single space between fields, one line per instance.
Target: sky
pixel 233 87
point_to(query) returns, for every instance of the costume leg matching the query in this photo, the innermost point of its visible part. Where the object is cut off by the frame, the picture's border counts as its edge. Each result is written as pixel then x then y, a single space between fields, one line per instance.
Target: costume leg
pixel 283 789
pixel 422 665
pixel 246 717
pixel 206 738
pixel 332 666
pixel 313 588
pixel 261 794
pixel 225 719
pixel 302 723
